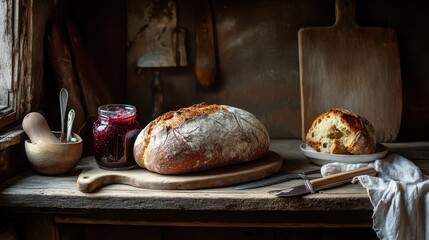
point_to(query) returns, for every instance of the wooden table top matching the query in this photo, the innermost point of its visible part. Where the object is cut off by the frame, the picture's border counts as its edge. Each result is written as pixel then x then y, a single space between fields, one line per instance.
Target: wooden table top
pixel 30 191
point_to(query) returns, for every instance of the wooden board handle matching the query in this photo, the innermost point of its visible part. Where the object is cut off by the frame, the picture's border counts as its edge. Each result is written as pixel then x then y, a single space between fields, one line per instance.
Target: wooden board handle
pixel 341 178
pixel 345 13
pixel 205 62
pixel 99 178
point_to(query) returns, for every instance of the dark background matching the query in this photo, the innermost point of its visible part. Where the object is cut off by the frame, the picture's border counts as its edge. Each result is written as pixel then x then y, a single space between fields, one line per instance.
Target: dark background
pixel 257 57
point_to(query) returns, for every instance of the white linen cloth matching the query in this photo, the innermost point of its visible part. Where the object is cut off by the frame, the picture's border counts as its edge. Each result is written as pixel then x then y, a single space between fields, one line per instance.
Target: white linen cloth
pixel 399 195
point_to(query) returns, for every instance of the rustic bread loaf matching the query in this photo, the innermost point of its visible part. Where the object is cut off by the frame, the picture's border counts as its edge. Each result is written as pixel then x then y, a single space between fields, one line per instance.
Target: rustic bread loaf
pixel 340 131
pixel 200 137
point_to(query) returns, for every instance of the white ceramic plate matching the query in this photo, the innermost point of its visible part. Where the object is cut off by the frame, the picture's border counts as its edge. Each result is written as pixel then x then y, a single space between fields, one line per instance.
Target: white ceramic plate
pixel 324 158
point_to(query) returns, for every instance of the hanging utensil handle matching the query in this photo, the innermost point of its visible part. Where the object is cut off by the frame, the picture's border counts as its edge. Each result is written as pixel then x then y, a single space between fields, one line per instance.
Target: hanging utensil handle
pixel 205 61
pixel 64 96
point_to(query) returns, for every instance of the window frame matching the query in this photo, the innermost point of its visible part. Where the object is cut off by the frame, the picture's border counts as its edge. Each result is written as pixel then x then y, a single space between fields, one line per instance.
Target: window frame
pixel 10 114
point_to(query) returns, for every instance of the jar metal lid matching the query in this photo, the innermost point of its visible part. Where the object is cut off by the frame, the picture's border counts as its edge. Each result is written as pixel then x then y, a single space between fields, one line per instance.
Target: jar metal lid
pixel 117 111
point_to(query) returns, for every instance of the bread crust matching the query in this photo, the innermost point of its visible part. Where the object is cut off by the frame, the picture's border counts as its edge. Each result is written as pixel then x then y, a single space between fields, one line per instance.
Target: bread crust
pixel 200 137
pixel 340 131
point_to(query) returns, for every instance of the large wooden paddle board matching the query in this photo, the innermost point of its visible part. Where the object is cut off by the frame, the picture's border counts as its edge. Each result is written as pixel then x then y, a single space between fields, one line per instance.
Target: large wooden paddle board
pixel 93 177
pixel 353 67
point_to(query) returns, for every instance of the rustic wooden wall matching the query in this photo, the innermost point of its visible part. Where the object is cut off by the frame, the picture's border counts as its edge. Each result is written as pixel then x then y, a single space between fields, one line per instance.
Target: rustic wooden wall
pixel 257 57
pixel 257 61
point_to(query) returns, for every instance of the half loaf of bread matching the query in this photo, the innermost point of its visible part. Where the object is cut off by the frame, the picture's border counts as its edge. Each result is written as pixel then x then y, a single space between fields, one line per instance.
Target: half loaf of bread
pixel 200 137
pixel 340 131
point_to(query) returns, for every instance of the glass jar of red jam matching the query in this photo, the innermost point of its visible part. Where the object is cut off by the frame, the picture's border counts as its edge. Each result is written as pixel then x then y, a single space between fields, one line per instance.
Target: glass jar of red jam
pixel 114 134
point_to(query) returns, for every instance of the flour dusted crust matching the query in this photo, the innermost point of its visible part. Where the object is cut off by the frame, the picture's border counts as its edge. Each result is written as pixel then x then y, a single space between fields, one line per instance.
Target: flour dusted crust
pixel 200 137
pixel 340 131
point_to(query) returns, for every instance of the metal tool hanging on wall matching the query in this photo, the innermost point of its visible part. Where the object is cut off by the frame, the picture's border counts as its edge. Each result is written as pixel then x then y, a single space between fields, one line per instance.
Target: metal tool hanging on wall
pixel 159 43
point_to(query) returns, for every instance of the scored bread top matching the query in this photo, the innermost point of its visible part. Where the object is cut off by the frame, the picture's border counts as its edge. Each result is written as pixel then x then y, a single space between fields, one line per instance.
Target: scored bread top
pixel 174 119
pixel 341 131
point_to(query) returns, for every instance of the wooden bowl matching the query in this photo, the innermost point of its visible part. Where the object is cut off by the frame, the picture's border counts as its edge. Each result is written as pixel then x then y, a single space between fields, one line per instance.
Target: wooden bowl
pixel 54 158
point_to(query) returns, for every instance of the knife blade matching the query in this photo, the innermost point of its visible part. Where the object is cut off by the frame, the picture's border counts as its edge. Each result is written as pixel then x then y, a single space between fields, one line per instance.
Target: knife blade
pixel 312 186
pixel 275 180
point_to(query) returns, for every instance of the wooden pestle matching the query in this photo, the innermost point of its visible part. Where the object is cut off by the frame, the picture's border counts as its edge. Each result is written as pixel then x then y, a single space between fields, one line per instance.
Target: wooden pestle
pixel 37 129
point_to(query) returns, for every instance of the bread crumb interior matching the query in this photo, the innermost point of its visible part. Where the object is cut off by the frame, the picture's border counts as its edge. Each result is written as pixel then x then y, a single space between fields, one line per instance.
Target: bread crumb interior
pixel 333 136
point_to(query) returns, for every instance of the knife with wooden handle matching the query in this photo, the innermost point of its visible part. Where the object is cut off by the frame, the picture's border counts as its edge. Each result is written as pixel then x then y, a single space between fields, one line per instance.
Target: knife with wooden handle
pixel 323 183
pixel 205 62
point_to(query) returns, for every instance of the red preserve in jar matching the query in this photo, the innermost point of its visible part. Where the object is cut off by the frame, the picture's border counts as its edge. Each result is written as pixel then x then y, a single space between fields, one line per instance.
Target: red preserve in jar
pixel 114 134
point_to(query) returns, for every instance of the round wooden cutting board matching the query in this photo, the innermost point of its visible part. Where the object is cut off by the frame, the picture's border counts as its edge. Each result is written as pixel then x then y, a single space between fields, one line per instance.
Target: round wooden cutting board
pixel 93 177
